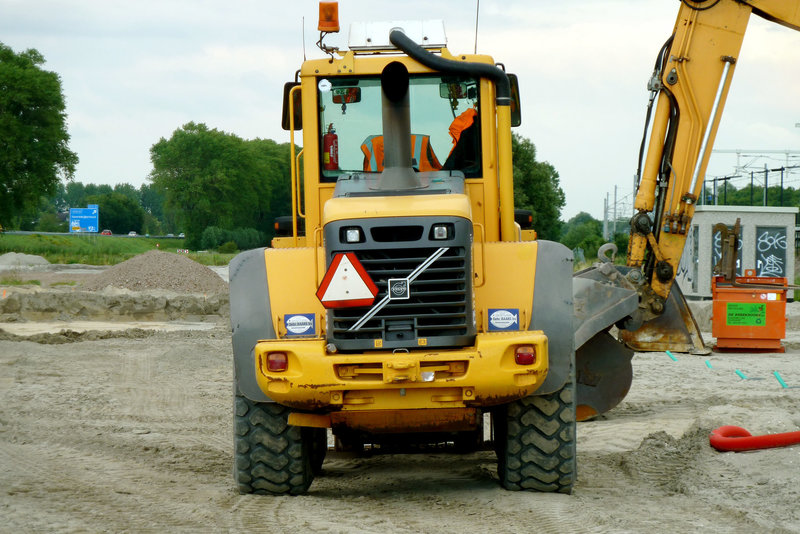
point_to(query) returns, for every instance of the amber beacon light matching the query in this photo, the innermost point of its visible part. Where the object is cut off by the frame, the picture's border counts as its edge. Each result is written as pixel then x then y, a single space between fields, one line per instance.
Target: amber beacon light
pixel 328 17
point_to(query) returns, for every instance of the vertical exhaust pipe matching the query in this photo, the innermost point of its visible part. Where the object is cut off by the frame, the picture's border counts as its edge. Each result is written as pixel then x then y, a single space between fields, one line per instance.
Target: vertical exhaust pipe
pixel 397 171
pixel 505 167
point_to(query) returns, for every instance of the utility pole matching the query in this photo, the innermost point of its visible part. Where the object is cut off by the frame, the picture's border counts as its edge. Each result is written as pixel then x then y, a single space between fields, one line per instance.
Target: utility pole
pixel 714 191
pixel 614 225
pixel 605 218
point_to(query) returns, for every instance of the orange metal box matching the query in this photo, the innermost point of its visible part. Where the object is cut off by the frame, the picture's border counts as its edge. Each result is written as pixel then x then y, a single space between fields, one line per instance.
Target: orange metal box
pixel 749 318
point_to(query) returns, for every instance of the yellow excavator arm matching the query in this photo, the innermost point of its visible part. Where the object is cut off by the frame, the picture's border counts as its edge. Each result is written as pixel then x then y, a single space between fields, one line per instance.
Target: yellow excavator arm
pixel 690 83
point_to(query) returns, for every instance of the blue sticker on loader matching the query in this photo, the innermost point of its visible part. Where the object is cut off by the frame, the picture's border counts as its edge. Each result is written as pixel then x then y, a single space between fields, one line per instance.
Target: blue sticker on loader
pixel 300 324
pixel 503 319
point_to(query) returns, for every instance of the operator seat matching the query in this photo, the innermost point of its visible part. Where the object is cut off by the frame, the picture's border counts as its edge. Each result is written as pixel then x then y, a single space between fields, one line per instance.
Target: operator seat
pixel 423 158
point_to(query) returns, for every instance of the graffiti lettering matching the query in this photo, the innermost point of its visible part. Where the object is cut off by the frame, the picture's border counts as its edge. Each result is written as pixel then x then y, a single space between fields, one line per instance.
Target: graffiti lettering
pixel 771 251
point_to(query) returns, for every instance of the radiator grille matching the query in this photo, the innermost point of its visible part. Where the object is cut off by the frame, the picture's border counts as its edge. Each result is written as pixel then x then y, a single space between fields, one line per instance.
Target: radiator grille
pixel 438 309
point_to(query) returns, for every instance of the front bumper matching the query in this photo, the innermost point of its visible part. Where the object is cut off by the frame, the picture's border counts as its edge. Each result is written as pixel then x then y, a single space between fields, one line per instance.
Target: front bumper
pixel 484 374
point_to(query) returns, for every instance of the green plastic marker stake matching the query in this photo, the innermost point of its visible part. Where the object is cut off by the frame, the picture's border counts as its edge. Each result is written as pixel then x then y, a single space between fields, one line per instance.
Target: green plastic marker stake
pixel 780 380
pixel 708 364
pixel 674 359
pixel 741 374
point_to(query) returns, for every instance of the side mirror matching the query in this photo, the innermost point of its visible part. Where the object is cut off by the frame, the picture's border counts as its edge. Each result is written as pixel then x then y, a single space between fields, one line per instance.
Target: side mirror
pixel 296 106
pixel 516 110
pixel 451 90
pixel 523 217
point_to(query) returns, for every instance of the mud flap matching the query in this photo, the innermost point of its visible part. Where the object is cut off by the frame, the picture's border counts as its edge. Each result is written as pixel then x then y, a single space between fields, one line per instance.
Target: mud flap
pixel 251 319
pixel 675 330
pixel 604 375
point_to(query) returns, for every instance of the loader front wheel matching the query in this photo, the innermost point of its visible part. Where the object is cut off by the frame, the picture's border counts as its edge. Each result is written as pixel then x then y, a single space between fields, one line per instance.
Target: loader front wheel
pixel 271 456
pixel 535 442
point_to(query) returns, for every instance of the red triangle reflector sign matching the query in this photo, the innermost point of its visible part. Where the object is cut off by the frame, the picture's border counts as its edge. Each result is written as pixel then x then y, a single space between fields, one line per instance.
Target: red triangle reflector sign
pixel 346 284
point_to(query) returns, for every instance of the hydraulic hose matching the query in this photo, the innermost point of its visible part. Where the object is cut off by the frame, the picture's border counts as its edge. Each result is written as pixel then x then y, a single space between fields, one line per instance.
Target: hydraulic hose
pixel 735 438
pixel 448 66
pixel 654 89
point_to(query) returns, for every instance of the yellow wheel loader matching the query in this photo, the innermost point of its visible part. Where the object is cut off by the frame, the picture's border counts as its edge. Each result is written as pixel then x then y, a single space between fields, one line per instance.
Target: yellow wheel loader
pixel 405 300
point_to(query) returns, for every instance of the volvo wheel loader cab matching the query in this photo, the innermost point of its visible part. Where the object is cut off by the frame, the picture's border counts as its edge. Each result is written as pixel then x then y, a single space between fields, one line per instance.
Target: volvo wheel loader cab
pixel 410 306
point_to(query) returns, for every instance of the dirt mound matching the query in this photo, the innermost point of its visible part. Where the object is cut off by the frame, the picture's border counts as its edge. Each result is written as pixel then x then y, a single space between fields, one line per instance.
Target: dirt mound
pixel 71 336
pixel 159 270
pixel 16 259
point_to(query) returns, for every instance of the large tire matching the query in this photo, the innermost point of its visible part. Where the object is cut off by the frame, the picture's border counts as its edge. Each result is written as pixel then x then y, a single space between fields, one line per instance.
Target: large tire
pixel 535 442
pixel 271 456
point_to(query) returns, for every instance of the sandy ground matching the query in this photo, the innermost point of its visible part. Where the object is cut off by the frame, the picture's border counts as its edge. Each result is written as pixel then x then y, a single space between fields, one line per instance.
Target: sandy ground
pixel 129 429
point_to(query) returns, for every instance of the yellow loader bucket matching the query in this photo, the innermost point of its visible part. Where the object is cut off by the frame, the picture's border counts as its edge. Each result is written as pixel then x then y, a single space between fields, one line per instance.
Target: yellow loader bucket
pixel 674 330
pixel 603 373
pixel 605 301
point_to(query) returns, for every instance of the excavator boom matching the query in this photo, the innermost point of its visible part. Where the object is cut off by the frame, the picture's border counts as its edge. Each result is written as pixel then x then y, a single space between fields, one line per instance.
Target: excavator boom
pixel 689 87
pixel 692 77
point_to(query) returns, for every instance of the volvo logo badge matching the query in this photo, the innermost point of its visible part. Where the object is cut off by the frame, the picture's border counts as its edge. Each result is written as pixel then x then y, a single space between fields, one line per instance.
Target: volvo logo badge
pixel 399 288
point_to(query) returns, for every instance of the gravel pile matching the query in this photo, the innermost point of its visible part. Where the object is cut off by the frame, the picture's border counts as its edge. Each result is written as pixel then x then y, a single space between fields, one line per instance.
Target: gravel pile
pixel 16 259
pixel 159 270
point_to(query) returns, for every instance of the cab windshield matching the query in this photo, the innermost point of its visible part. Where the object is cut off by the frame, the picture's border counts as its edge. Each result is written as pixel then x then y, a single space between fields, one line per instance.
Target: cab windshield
pixel 445 127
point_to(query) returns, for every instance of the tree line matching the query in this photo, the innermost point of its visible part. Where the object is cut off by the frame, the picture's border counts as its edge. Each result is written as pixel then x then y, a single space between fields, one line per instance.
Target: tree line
pixel 123 208
pixel 728 194
pixel 213 186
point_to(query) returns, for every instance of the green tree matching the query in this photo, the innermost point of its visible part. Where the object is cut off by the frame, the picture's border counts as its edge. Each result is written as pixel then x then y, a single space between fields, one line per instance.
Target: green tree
pixel 621 240
pixel 75 195
pixel 51 222
pixel 51 209
pixel 160 219
pixel 129 191
pixel 34 152
pixel 212 237
pixel 754 196
pixel 583 231
pixel 97 189
pixel 537 188
pixel 118 212
pixel 213 178
pixel 152 200
pixel 58 200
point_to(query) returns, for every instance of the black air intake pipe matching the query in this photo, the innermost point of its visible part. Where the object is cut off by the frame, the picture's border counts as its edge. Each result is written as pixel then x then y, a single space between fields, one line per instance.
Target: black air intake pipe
pixel 448 66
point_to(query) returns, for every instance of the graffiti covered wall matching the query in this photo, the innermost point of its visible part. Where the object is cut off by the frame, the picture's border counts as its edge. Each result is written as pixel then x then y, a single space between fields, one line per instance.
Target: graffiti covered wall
pixel 766 245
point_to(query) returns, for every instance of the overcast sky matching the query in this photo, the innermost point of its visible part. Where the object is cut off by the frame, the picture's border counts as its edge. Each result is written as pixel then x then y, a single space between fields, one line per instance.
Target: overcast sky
pixel 134 72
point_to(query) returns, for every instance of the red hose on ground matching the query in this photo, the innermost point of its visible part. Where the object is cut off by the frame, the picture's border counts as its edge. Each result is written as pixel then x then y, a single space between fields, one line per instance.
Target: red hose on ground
pixel 735 438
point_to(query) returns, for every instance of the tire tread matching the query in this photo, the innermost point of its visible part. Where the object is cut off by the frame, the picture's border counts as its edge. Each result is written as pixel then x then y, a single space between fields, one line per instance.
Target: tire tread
pixel 271 456
pixel 536 442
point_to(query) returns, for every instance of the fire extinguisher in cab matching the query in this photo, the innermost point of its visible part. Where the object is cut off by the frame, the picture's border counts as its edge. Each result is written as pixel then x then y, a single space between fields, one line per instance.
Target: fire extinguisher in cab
pixel 330 150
